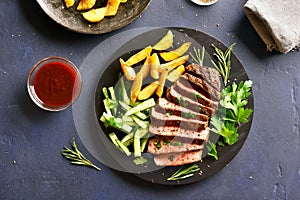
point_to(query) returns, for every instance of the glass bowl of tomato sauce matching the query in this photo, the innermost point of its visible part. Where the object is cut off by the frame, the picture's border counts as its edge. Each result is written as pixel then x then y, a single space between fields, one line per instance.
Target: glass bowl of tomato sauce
pixel 54 83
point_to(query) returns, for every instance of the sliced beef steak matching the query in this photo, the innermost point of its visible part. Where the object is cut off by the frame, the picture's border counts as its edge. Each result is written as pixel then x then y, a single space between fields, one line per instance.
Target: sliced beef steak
pixel 175 97
pixel 159 145
pixel 179 132
pixel 204 85
pixel 160 119
pixel 211 75
pixel 185 89
pixel 175 159
pixel 167 107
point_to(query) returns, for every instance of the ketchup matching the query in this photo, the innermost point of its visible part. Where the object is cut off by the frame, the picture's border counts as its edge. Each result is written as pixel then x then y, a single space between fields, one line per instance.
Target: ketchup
pixel 54 83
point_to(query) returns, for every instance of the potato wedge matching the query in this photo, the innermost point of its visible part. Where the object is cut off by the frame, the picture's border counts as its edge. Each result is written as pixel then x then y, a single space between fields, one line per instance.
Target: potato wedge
pixel 176 73
pixel 148 91
pixel 138 57
pixel 136 87
pixel 165 43
pixel 171 55
pixel 128 71
pixel 123 1
pixel 154 65
pixel 145 68
pixel 162 81
pixel 174 63
pixel 94 15
pixel 69 3
pixel 112 7
pixel 86 4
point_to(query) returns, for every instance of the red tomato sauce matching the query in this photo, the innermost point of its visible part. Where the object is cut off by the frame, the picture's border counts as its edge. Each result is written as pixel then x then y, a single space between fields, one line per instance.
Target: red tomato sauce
pixel 54 83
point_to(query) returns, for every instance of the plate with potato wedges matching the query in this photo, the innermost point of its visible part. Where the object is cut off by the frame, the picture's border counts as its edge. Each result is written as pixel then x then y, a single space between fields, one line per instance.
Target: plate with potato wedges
pixel 93 16
pixel 174 106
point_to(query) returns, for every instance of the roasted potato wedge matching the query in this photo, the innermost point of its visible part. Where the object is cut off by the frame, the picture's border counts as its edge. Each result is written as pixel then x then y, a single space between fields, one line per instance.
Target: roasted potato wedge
pixel 176 73
pixel 112 7
pixel 148 91
pixel 138 57
pixel 86 4
pixel 128 71
pixel 165 43
pixel 136 87
pixel 171 55
pixel 94 15
pixel 146 67
pixel 162 81
pixel 154 65
pixel 174 63
pixel 69 3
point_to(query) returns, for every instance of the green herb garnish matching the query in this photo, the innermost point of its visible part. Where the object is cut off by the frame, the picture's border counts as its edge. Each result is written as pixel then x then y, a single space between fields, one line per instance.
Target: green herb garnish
pixel 176 144
pixel 184 173
pixel 171 158
pixel 233 113
pixel 169 113
pixel 199 55
pixel 188 115
pixel 223 64
pixel 76 156
pixel 158 144
pixel 212 150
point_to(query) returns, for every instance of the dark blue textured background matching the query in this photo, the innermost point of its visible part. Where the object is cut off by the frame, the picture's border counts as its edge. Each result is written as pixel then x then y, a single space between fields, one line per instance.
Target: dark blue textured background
pixel 31 167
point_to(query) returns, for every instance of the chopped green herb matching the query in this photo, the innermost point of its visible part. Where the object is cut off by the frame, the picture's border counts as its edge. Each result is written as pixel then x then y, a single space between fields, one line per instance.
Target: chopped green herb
pixel 169 113
pixel 200 96
pixel 178 144
pixel 184 173
pixel 166 141
pixel 171 158
pixel 158 144
pixel 188 115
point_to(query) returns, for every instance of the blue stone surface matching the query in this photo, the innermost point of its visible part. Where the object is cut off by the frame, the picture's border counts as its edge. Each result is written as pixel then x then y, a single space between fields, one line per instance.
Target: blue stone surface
pixel 31 166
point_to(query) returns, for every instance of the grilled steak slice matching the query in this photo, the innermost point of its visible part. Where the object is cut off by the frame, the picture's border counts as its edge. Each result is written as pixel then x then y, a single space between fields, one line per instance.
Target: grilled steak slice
pixel 159 119
pixel 159 145
pixel 167 107
pixel 175 159
pixel 185 89
pixel 173 96
pixel 179 132
pixel 204 85
pixel 211 75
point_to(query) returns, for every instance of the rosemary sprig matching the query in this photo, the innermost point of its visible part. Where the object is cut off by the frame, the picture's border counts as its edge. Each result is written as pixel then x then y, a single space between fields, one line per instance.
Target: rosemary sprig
pixel 199 55
pixel 76 156
pixel 224 64
pixel 184 173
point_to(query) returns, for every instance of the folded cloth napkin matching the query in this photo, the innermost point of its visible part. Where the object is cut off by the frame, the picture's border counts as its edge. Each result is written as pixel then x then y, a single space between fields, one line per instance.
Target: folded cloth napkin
pixel 276 21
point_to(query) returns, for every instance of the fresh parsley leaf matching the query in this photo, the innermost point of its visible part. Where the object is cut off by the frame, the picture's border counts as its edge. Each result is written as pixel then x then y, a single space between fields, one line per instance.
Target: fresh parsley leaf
pixel 212 150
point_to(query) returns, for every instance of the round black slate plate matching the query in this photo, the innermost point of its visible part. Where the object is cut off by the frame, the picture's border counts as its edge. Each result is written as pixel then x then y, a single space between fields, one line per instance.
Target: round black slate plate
pixel 94 135
pixel 73 20
pixel 208 166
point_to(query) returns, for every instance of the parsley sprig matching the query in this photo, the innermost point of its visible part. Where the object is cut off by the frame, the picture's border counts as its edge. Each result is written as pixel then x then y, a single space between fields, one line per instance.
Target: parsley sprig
pixel 233 111
pixel 76 156
pixel 184 173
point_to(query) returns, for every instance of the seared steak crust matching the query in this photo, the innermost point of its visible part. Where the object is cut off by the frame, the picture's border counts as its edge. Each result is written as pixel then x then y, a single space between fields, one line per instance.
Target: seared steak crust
pixel 211 75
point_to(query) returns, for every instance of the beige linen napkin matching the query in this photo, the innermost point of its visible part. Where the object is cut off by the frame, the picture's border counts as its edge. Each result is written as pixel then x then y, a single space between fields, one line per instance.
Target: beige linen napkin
pixel 276 21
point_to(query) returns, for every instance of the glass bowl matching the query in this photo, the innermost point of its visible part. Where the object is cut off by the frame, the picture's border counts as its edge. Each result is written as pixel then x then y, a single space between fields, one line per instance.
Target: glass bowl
pixel 54 83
